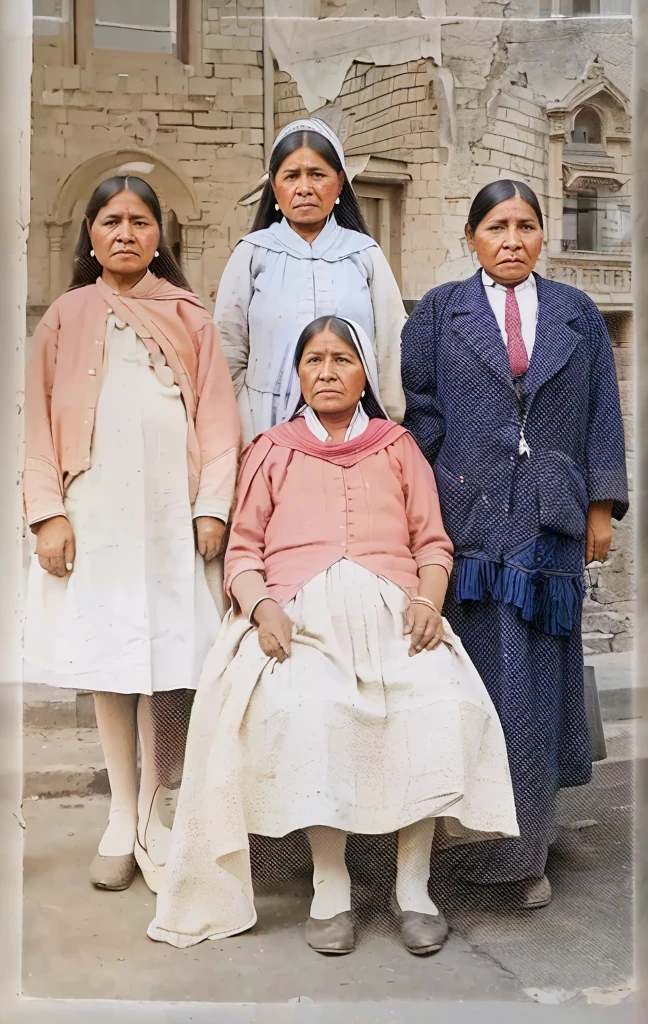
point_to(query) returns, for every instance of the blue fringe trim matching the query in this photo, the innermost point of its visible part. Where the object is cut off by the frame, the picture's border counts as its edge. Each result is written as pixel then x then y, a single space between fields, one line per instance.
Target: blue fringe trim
pixel 552 602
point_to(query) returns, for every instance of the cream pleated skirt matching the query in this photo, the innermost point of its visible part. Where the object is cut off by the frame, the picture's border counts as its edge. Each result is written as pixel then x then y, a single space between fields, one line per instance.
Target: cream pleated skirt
pixel 136 615
pixel 348 732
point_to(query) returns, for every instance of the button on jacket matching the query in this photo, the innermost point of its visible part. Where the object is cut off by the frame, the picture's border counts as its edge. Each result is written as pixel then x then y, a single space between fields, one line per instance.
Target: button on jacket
pixel 64 378
pixel 298 512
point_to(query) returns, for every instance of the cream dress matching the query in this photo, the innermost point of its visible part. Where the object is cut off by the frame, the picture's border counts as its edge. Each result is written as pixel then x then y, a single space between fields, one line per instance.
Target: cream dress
pixel 136 615
pixel 348 732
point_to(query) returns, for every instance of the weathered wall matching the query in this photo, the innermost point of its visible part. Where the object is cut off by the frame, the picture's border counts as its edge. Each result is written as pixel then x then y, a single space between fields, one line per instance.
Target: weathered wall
pixel 205 121
pixel 479 116
pixel 394 115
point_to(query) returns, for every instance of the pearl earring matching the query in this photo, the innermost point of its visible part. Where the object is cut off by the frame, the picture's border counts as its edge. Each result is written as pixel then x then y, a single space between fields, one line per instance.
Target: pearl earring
pixel 156 254
pixel 363 394
pixel 92 253
pixel 276 206
pixel 337 201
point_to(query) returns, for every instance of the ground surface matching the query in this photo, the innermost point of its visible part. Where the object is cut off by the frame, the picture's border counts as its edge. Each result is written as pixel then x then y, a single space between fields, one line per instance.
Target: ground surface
pixel 82 943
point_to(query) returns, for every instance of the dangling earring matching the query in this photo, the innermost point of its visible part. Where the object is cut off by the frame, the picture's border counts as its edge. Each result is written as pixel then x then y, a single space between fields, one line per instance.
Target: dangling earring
pixel 156 254
pixel 363 394
pixel 276 206
pixel 92 253
pixel 337 201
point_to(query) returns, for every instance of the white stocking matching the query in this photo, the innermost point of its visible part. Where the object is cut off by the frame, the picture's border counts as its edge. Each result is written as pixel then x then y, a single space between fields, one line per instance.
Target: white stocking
pixel 115 714
pixel 331 880
pixel 154 837
pixel 413 870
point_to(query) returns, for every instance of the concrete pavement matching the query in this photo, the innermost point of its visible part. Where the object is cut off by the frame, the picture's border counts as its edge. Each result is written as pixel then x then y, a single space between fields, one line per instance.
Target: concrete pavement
pixel 81 943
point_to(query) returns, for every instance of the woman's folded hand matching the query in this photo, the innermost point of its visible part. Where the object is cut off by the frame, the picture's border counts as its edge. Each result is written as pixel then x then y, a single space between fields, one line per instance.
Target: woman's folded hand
pixel 274 630
pixel 55 546
pixel 209 536
pixel 424 626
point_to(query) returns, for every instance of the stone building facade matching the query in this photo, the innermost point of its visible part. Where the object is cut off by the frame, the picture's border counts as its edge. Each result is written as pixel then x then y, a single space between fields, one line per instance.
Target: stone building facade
pixel 433 98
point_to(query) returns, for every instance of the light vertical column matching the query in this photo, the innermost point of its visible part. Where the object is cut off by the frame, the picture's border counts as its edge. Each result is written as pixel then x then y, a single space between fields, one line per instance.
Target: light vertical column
pixel 15 142
pixel 555 181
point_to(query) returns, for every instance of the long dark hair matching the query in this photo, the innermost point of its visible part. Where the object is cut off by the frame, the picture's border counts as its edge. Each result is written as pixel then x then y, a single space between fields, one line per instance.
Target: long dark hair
pixel 342 330
pixel 498 192
pixel 348 213
pixel 87 268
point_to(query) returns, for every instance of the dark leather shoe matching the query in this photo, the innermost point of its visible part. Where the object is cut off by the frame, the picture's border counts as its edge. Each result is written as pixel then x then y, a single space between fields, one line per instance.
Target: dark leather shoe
pixel 335 935
pixel 536 893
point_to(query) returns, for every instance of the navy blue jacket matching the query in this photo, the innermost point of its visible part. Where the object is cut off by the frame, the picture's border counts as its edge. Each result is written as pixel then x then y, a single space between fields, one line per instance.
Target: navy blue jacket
pixel 518 522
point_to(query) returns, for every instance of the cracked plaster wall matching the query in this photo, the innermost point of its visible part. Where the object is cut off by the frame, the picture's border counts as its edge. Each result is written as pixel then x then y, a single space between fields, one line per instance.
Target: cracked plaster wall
pixel 482 117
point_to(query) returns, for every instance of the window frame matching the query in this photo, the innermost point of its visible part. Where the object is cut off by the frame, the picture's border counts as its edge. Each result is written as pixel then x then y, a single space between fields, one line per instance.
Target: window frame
pixel 390 197
pixel 83 21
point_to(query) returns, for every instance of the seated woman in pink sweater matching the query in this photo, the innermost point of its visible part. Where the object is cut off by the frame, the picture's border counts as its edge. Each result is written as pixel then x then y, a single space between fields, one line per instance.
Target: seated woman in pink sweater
pixel 336 698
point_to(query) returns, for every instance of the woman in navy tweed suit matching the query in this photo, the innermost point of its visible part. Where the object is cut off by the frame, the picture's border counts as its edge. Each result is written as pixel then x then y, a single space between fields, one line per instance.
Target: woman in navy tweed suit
pixel 512 395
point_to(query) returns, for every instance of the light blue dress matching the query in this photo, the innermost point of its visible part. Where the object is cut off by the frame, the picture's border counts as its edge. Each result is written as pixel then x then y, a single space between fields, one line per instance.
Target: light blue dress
pixel 276 283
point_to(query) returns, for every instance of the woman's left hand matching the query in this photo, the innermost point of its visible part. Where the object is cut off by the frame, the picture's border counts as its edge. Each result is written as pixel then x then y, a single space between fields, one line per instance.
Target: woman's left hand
pixel 599 531
pixel 424 626
pixel 209 535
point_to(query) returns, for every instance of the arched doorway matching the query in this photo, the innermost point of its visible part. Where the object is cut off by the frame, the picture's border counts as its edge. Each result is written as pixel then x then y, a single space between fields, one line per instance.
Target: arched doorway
pixel 176 194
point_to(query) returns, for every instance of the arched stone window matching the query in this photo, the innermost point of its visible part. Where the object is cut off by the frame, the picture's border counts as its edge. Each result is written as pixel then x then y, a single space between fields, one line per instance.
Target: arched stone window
pixel 587 129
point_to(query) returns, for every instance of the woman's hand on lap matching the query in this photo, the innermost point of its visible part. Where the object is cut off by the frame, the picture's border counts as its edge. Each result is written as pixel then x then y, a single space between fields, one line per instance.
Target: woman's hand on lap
pixel 424 626
pixel 55 546
pixel 274 630
pixel 209 535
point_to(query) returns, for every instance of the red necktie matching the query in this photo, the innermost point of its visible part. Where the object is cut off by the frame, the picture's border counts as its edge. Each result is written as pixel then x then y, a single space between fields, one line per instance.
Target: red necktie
pixel 517 352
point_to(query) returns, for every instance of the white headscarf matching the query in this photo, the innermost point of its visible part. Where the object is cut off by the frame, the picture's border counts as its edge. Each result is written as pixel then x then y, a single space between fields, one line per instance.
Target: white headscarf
pixel 313 124
pixel 295 404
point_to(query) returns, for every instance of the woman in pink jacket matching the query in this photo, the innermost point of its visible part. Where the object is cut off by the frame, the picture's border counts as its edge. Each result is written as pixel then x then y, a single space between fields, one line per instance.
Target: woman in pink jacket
pixel 132 438
pixel 336 699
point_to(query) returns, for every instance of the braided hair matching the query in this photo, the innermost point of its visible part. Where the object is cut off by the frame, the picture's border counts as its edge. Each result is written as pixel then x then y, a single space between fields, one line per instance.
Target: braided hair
pixel 87 268
pixel 348 213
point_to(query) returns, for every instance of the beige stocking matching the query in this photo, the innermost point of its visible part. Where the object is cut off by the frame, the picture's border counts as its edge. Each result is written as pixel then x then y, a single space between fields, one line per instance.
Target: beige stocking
pixel 413 870
pixel 331 880
pixel 115 713
pixel 154 837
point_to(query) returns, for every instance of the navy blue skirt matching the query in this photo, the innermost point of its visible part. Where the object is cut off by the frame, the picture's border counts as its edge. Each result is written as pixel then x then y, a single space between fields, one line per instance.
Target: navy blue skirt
pixel 535 681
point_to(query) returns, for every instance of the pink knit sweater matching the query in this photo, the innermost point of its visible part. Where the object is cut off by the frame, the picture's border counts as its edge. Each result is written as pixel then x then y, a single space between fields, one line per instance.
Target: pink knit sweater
pixel 302 505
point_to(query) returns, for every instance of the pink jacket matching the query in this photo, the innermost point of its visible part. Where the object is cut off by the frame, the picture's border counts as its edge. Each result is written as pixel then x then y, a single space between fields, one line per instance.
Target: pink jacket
pixel 301 505
pixel 64 377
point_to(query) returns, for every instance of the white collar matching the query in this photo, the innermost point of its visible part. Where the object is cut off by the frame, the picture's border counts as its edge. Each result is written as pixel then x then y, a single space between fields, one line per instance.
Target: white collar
pixel 358 425
pixel 488 282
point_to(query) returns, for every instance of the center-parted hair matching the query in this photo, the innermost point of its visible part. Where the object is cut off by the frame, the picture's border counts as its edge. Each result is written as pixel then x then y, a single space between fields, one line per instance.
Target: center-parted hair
pixel 498 192
pixel 343 331
pixel 87 268
pixel 348 213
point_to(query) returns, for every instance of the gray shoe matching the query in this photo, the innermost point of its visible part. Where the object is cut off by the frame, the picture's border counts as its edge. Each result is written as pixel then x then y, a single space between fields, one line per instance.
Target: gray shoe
pixel 335 935
pixel 113 873
pixel 422 934
pixel 536 894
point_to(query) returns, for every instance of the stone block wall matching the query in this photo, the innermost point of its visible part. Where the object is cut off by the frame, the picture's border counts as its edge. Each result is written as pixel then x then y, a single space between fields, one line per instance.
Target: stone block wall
pixel 204 121
pixel 394 115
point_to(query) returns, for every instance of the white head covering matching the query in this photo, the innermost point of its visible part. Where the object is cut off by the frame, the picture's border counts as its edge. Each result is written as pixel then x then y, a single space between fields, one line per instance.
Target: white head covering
pixel 367 357
pixel 312 124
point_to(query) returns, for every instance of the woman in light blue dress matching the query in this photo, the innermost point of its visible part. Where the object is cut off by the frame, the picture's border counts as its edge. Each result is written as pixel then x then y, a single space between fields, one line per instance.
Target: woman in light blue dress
pixel 309 254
